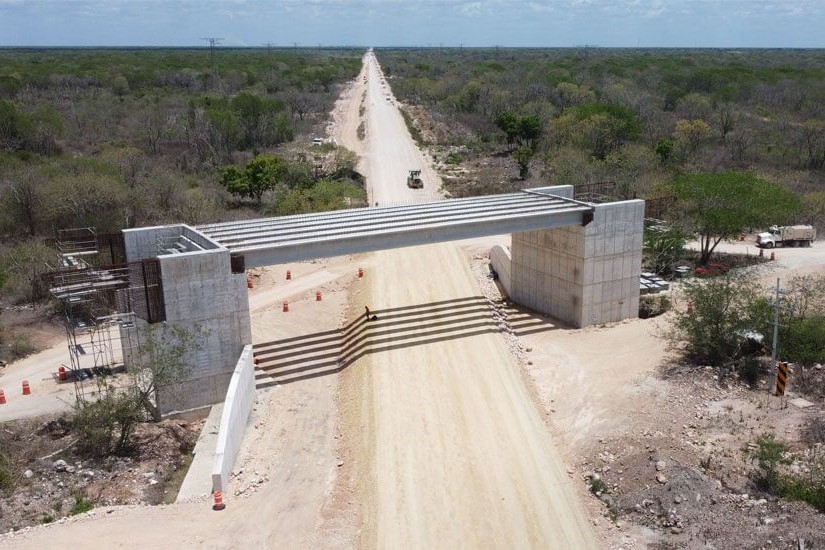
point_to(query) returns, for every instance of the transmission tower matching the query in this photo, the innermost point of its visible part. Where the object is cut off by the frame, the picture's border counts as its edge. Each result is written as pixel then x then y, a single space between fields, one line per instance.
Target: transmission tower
pixel 213 41
pixel 269 46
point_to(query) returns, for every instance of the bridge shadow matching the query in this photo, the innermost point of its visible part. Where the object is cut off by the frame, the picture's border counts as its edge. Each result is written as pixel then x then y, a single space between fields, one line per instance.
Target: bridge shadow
pixel 289 360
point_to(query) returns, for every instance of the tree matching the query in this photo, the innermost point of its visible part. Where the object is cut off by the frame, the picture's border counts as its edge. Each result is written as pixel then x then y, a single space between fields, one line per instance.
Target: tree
pixel 721 205
pixel 162 363
pixel 523 156
pixel 259 175
pixel 689 135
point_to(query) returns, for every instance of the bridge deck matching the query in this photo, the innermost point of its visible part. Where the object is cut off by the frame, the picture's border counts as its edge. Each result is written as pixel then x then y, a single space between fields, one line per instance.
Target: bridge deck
pixel 268 241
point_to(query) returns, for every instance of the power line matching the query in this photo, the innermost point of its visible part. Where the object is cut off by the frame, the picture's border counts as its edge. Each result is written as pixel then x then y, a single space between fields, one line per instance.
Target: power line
pixel 213 41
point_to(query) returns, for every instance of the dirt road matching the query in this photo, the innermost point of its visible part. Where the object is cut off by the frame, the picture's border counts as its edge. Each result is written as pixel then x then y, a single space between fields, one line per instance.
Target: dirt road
pixel 449 447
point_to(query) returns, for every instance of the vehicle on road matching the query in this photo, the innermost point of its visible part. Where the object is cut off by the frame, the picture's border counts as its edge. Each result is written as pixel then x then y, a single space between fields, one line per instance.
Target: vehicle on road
pixel 414 180
pixel 792 235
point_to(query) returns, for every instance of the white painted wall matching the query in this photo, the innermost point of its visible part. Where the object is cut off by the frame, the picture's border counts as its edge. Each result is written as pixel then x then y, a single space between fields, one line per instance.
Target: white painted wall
pixel 236 408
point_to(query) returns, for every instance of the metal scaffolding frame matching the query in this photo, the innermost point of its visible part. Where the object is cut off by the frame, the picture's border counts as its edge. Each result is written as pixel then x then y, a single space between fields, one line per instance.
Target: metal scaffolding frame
pixel 91 299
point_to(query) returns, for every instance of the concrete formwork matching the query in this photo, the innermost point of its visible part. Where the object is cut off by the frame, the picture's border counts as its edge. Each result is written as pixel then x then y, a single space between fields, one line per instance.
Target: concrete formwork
pixel 582 275
pixel 202 296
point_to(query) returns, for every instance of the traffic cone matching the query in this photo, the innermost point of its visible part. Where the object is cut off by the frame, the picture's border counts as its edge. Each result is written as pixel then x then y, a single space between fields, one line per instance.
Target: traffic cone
pixel 26 388
pixel 288 275
pixel 249 283
pixel 219 505
pixel 61 374
pixel 2 397
pixel 773 256
pixel 318 296
pixel 360 272
pixel 286 306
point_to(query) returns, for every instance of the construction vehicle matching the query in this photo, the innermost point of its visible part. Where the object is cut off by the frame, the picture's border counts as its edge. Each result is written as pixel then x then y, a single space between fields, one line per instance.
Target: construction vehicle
pixel 791 235
pixel 414 180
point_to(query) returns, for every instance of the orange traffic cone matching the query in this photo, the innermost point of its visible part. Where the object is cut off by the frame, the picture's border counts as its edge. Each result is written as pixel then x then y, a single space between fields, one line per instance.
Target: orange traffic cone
pixel 360 272
pixel 2 397
pixel 61 374
pixel 288 275
pixel 219 505
pixel 318 296
pixel 26 388
pixel 286 306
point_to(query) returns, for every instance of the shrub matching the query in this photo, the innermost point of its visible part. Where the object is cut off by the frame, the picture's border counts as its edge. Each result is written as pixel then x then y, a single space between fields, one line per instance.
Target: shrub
pixel 8 477
pixel 653 306
pixel 597 486
pixel 749 371
pixel 81 505
pixel 769 456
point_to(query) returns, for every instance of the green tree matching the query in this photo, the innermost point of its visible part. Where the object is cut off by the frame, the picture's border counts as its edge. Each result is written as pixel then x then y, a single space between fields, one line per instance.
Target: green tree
pixel 721 205
pixel 324 195
pixel 689 135
pixel 523 156
pixel 259 175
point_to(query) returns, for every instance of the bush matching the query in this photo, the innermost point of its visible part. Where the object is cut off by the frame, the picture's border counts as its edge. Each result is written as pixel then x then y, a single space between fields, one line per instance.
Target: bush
pixel 105 426
pixel 770 454
pixel 811 491
pixel 723 311
pixel 8 474
pixel 749 371
pixel 653 306
pixel 81 505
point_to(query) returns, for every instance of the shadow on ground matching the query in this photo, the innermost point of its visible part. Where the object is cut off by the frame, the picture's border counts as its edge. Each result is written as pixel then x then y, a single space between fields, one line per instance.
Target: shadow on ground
pixel 318 354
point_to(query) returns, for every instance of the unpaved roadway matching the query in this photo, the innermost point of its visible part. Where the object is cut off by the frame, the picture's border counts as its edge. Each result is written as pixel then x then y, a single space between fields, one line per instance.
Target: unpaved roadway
pixel 450 449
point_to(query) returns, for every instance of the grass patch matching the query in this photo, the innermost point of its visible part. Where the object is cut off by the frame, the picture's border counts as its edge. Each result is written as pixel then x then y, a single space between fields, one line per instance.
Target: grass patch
pixel 172 485
pixel 81 505
pixel 8 477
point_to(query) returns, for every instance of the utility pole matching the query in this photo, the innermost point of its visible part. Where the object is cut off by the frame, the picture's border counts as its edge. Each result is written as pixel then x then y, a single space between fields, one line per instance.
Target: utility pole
pixel 213 41
pixel 775 327
pixel 269 53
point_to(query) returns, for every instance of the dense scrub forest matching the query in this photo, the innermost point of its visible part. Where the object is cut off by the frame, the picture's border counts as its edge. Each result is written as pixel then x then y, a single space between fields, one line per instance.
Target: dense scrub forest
pixel 637 118
pixel 122 138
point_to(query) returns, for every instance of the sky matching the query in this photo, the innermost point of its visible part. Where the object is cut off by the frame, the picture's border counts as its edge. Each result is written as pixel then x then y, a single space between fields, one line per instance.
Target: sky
pixel 448 23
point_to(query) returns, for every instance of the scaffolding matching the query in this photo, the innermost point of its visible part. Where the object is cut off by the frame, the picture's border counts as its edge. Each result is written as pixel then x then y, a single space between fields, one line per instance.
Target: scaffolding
pixel 92 294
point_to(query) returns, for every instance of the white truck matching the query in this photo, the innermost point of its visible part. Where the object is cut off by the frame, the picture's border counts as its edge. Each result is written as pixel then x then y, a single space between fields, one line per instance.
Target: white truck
pixel 791 235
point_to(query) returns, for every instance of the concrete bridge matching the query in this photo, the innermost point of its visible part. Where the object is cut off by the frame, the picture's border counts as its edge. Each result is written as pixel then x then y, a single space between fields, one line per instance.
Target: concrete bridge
pixel 575 261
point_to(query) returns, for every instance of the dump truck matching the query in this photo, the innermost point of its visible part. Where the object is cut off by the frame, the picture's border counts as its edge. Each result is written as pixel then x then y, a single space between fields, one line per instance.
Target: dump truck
pixel 414 180
pixel 791 235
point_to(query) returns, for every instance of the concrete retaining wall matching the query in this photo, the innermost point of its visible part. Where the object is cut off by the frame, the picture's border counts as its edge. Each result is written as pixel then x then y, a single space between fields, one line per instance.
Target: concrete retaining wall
pixel 500 261
pixel 236 408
